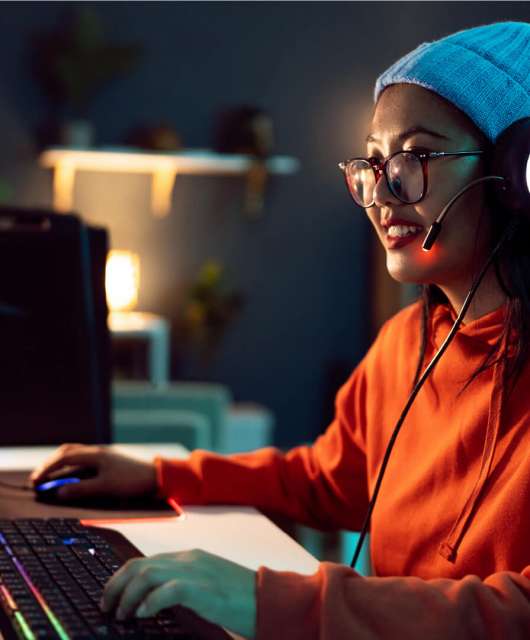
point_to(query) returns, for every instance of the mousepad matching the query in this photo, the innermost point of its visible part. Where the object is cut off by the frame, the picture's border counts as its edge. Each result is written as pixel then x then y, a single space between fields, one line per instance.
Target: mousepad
pixel 21 503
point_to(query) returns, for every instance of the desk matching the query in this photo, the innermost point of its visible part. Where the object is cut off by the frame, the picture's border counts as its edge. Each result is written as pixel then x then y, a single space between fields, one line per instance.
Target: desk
pixel 240 534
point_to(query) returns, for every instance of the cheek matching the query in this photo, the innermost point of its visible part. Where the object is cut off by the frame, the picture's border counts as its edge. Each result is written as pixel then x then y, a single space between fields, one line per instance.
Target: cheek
pixel 444 185
pixel 464 228
pixel 431 207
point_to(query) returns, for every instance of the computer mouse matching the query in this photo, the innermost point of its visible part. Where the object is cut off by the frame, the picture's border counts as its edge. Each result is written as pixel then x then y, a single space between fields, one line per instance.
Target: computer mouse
pixel 47 491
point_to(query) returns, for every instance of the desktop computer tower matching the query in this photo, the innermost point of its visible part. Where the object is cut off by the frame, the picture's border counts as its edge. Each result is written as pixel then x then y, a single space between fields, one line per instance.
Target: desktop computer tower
pixel 54 340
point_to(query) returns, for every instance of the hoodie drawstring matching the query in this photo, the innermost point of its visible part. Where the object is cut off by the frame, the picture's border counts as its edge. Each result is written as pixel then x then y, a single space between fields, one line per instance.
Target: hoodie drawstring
pixel 448 549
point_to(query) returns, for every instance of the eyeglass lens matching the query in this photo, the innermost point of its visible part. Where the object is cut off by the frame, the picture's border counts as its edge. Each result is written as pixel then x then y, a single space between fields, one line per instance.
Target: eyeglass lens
pixel 404 173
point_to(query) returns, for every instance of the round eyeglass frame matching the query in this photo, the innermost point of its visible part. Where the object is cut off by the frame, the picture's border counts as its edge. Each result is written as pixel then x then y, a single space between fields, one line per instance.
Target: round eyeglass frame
pixel 379 167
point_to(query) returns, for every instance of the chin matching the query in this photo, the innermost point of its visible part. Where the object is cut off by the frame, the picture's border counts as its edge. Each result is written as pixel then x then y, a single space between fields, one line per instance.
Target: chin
pixel 406 278
pixel 407 273
pixel 417 266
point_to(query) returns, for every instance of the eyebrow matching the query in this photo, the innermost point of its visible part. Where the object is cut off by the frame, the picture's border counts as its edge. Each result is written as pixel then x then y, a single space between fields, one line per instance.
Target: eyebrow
pixel 410 132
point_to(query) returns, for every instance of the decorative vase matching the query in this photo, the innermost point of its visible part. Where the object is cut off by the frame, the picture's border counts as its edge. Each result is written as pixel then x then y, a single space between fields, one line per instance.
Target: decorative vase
pixel 78 134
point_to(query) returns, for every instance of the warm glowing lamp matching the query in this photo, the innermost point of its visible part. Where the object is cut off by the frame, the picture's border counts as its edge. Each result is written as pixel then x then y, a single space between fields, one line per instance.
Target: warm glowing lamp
pixel 122 279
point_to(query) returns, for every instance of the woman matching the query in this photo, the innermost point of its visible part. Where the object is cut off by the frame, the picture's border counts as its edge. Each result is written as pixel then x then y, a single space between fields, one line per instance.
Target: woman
pixel 450 530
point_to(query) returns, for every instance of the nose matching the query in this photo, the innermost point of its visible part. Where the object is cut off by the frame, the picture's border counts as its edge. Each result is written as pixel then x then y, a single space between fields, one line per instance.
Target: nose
pixel 382 194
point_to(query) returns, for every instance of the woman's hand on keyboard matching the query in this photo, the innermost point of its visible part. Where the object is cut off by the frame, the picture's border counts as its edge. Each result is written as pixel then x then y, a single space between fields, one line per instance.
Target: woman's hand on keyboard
pixel 115 474
pixel 217 589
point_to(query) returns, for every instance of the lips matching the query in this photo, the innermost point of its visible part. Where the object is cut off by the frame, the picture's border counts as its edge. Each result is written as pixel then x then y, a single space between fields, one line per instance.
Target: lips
pixel 400 232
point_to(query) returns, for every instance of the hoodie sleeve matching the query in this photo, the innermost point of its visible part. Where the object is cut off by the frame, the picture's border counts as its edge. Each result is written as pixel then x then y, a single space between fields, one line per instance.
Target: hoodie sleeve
pixel 323 485
pixel 336 603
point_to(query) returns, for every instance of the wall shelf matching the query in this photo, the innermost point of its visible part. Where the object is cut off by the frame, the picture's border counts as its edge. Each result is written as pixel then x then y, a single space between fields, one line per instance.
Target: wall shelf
pixel 164 167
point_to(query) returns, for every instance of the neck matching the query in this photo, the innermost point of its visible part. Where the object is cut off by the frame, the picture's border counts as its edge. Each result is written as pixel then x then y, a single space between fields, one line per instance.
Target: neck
pixel 488 297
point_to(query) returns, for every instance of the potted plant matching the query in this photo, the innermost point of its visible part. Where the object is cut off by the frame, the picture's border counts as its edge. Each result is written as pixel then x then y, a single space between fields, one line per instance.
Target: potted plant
pixel 209 307
pixel 71 64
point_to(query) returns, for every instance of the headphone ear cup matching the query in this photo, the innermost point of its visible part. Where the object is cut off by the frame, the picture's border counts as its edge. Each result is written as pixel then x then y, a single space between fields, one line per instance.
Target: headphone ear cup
pixel 511 160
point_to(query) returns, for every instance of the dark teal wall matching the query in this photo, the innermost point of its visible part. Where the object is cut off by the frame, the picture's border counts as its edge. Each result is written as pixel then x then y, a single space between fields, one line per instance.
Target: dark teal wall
pixel 303 265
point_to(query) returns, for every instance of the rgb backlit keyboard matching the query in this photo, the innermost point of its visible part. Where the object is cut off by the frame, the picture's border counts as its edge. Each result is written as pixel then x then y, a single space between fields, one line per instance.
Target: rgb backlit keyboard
pixel 52 573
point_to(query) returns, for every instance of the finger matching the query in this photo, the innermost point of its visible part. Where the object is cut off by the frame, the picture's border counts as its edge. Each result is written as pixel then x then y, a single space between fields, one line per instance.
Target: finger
pixel 78 456
pixel 116 584
pixel 166 595
pixel 136 590
pixel 58 453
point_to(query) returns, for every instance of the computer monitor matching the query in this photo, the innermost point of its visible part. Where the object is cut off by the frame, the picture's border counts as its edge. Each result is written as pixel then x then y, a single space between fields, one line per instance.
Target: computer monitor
pixel 54 341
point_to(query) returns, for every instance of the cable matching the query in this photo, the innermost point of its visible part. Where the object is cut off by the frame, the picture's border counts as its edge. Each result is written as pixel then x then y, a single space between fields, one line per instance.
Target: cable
pixel 420 383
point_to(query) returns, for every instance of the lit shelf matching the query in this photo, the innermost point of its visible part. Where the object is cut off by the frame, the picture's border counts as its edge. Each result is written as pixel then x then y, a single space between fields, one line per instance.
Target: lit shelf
pixel 164 168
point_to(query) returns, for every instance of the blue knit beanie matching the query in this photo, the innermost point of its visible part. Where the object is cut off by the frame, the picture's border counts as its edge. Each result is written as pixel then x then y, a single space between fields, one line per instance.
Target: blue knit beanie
pixel 484 71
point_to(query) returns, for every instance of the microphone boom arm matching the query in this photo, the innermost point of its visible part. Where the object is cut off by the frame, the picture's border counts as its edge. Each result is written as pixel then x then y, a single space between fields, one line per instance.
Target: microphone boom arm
pixel 436 226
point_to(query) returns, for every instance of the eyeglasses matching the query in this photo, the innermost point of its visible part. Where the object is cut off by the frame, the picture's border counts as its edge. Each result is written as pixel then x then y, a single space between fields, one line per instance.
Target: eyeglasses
pixel 405 173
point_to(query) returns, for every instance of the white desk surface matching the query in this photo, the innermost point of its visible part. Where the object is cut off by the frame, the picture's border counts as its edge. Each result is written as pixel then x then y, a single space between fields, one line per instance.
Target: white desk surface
pixel 240 534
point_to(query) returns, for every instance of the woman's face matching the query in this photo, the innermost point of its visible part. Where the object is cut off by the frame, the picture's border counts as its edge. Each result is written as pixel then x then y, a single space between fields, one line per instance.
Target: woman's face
pixel 399 114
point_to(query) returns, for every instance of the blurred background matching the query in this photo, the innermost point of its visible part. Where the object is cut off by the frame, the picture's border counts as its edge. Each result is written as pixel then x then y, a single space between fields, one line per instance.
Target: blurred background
pixel 270 281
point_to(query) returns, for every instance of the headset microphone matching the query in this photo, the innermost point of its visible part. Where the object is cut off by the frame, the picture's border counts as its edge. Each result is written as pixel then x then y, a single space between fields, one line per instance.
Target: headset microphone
pixel 511 162
pixel 436 226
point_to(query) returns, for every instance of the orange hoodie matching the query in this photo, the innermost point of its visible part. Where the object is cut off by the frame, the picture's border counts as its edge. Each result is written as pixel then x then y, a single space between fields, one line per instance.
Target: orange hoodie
pixel 450 536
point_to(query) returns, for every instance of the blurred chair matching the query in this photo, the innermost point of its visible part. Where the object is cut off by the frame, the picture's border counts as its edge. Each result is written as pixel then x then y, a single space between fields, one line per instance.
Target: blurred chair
pixel 199 415
pixel 247 426
pixel 186 412
pixel 188 428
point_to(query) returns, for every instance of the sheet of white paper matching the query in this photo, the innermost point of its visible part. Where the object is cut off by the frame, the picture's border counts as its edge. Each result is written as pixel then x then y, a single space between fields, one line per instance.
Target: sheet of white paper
pixel 240 534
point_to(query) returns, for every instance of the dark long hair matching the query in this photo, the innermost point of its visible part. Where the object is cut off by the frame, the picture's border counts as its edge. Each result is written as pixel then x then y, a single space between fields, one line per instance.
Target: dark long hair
pixel 512 270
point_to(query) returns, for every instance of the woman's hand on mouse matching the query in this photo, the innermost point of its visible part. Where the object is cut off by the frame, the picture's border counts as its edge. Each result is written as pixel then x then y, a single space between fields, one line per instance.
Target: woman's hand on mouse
pixel 116 474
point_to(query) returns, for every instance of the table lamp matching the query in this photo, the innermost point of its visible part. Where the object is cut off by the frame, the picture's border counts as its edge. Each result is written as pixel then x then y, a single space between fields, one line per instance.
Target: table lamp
pixel 122 280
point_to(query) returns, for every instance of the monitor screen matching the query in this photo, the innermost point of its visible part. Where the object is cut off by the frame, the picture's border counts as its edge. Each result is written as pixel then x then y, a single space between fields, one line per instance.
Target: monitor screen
pixel 54 343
